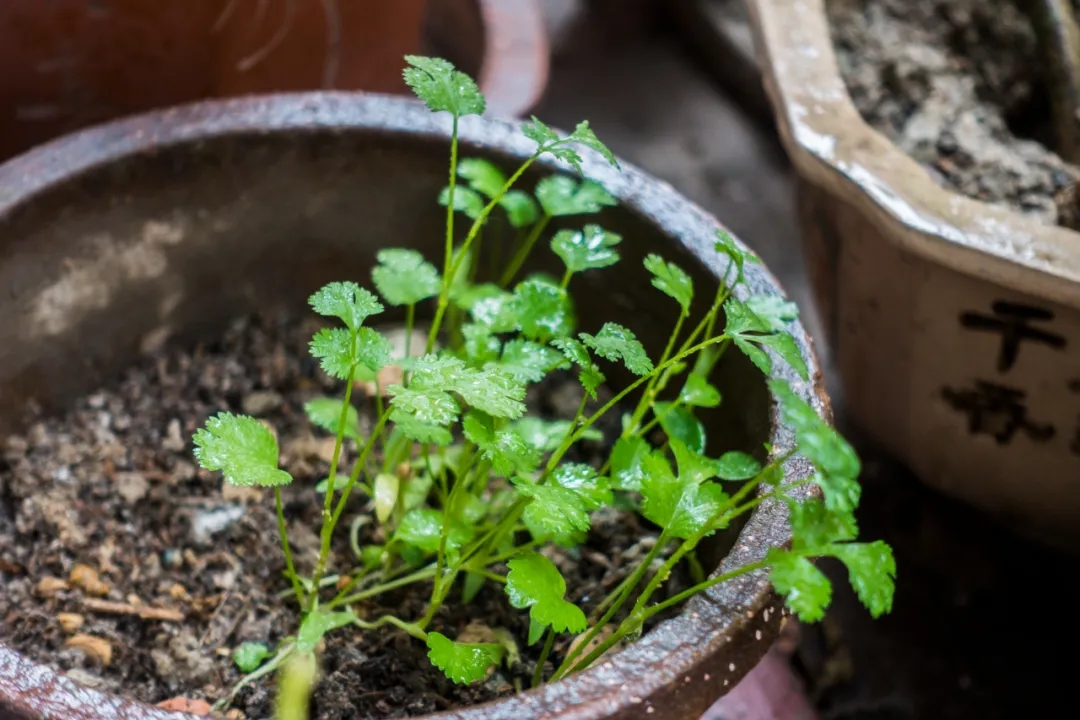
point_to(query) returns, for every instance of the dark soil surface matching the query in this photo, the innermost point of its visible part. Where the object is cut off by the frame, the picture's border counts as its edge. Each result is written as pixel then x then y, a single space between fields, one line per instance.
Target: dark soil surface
pixel 957 85
pixel 133 571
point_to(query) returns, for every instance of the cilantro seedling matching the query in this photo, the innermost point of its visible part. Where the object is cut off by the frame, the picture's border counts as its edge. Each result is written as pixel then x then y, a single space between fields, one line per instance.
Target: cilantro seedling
pixel 461 483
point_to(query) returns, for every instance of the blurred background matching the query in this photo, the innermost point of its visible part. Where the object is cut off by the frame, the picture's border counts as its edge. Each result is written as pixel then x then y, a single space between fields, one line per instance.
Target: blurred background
pixel 982 625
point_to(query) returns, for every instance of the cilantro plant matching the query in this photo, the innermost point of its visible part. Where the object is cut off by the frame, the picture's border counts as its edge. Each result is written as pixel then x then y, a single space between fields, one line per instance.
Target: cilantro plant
pixel 467 489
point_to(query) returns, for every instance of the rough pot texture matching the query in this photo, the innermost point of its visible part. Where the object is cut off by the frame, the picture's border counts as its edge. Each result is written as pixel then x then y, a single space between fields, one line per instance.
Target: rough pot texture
pixel 167 225
pixel 952 321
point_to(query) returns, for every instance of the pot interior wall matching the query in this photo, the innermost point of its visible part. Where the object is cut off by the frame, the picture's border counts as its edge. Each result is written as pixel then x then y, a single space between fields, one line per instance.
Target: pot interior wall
pixel 174 244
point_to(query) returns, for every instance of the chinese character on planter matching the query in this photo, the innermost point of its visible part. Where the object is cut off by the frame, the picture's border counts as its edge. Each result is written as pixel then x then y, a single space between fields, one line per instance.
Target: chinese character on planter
pixel 998 411
pixel 1013 322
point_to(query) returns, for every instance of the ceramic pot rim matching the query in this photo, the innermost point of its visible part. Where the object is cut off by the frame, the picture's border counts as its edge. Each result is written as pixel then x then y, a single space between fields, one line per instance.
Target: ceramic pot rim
pixel 683 664
pixel 831 145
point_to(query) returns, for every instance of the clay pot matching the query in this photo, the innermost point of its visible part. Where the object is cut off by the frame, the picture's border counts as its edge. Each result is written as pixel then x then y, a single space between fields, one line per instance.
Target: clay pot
pixel 66 64
pixel 952 321
pixel 167 225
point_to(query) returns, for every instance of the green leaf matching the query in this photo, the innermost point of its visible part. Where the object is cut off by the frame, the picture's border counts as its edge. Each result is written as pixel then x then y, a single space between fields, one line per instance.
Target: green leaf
pixel 784 345
pixel 326 413
pixel 583 134
pixel 443 88
pixel 316 624
pixel 806 590
pixel 416 490
pixel 546 435
pixel 504 449
pixel 737 466
pixel 698 392
pixel 560 196
pixel 466 201
pixel 535 583
pixel 587 249
pixel 626 462
pixel 540 133
pixel 590 376
pixel 814 527
pixel 832 455
pixel 550 142
pixel 595 491
pixel 490 306
pixel 591 379
pixel 347 301
pixel 421 528
pixel 387 486
pixel 403 277
pixel 520 208
pixel 680 423
pixel 339 351
pixel 339 482
pixel 427 407
pixel 759 357
pixel 420 431
pixel 872 571
pixel 615 343
pixel 678 504
pixel 693 466
pixel 536 631
pixel 739 255
pixel 249 656
pixel 464 663
pixel 483 176
pixel 749 330
pixel 242 448
pixel 543 311
pixel 774 310
pixel 529 362
pixel 555 512
pixel 491 390
pixel 671 280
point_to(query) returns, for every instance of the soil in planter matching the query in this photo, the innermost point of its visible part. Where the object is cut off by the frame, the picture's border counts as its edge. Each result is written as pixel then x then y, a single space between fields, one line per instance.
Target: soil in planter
pixel 134 572
pixel 958 86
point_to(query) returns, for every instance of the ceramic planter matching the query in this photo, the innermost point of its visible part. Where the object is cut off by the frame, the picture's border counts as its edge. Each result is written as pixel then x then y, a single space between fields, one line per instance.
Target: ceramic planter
pixel 954 324
pixel 116 238
pixel 66 64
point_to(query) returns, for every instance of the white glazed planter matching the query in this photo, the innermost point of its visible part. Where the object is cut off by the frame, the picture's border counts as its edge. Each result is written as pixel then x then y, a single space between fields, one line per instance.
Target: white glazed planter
pixel 955 325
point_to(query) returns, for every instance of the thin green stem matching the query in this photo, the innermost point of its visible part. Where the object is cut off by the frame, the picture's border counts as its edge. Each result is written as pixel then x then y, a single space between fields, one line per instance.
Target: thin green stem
pixel 448 254
pixel 408 627
pixel 290 569
pixel 566 278
pixel 265 669
pixel 410 320
pixel 702 586
pixel 523 252
pixel 538 674
pixel 649 396
pixel 425 573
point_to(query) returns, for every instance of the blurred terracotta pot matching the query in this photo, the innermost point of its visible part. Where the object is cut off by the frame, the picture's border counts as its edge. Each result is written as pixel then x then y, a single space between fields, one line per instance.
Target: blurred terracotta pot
pixel 955 324
pixel 66 64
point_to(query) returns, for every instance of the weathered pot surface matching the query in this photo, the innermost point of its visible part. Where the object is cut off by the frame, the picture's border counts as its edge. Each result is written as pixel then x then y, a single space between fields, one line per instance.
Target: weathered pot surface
pixel 169 224
pixel 952 321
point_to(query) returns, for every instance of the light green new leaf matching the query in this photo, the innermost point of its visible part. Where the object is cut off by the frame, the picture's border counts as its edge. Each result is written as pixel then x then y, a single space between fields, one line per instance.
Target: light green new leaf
pixel 671 280
pixel 554 513
pixel 832 455
pixel 372 349
pixel 626 462
pixel 464 663
pixel 242 448
pixel 806 590
pixel 546 435
pixel 403 277
pixel 491 390
pixel 520 208
pixel 483 176
pixel 347 301
pixel 249 656
pixel 736 465
pixel 543 311
pixel 503 448
pixel 443 88
pixel 535 583
pixel 587 249
pixel 680 505
pixel 326 414
pixel 316 624
pixel 774 310
pixel 466 201
pixel 387 486
pixel 584 135
pixel 615 343
pixel 335 351
pixel 698 392
pixel 872 571
pixel 560 196
pixel 680 423
pixel 529 362
pixel 430 407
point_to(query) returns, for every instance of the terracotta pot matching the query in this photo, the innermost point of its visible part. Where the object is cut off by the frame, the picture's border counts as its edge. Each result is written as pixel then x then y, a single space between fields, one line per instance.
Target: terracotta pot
pixel 954 324
pixel 66 64
pixel 119 237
